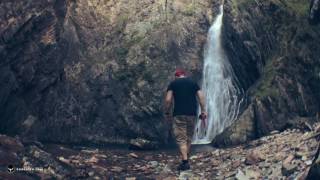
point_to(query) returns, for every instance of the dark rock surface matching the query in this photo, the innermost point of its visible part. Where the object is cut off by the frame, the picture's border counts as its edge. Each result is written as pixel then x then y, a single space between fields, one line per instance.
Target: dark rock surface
pixel 314 14
pixel 275 53
pixel 94 71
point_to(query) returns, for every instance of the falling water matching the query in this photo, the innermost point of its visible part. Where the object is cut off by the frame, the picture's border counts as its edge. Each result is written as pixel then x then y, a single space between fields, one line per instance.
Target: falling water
pixel 220 90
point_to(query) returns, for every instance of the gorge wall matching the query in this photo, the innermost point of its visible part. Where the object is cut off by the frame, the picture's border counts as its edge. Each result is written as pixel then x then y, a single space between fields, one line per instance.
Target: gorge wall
pixel 75 71
pixel 275 52
pixel 95 71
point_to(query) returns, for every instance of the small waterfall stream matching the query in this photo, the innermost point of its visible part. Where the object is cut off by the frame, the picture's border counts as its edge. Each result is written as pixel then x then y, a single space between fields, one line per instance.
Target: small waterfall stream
pixel 223 96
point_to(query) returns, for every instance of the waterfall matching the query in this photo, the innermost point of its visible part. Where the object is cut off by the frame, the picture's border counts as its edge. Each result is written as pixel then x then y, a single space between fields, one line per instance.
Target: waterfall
pixel 223 96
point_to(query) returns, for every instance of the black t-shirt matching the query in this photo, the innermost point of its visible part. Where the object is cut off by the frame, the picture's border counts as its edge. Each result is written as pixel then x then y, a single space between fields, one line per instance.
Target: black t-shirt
pixel 184 94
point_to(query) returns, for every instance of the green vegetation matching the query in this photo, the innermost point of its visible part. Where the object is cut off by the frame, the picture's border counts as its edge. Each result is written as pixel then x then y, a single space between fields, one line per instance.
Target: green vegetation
pixel 189 10
pixel 300 7
pixel 122 21
pixel 265 90
pixel 135 40
pixel 137 32
pixel 238 4
pixel 243 2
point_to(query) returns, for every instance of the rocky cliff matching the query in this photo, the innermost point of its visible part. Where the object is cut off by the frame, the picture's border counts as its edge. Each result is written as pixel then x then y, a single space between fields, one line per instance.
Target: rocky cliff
pixel 95 71
pixel 275 52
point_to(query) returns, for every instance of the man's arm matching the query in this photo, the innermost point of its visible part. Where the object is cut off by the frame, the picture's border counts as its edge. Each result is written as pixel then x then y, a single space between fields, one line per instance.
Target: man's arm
pixel 168 101
pixel 201 101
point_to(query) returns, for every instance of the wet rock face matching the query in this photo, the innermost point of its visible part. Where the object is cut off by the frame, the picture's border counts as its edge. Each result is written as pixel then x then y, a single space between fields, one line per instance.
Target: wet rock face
pixel 275 53
pixel 314 14
pixel 94 71
pixel 31 62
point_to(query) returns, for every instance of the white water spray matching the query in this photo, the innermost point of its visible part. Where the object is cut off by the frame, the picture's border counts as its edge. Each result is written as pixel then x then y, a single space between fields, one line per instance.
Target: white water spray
pixel 223 96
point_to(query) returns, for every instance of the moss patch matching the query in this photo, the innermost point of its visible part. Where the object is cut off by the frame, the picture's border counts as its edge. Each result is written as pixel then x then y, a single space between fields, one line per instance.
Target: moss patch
pixel 300 7
pixel 121 22
pixel 189 10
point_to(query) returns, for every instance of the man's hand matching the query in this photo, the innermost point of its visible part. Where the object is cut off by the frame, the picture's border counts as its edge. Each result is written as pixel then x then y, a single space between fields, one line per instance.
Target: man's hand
pixel 201 101
pixel 203 115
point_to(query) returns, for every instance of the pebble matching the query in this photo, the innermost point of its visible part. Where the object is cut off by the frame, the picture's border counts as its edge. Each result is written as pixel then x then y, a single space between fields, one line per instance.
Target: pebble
pixel 134 155
pixel 309 162
pixel 153 163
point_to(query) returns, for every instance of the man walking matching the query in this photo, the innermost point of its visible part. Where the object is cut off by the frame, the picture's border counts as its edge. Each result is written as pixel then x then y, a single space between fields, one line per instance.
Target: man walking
pixel 184 92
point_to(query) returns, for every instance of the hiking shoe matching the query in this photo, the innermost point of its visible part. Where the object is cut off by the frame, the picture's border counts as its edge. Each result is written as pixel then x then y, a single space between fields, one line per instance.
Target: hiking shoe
pixel 183 167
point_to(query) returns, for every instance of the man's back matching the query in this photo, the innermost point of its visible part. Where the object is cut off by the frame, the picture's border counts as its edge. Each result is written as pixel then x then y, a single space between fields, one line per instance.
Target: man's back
pixel 184 93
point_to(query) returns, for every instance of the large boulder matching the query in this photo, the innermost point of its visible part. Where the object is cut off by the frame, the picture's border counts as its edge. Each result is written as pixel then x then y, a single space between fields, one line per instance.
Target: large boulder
pixel 240 132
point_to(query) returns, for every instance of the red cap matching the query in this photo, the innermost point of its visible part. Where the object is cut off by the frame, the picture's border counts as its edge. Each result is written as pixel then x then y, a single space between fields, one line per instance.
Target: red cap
pixel 180 72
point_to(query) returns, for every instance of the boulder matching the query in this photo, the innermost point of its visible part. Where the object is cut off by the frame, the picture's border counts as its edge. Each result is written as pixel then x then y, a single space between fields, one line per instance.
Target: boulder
pixel 8 158
pixel 9 149
pixel 239 132
pixel 143 144
pixel 11 144
pixel 253 158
